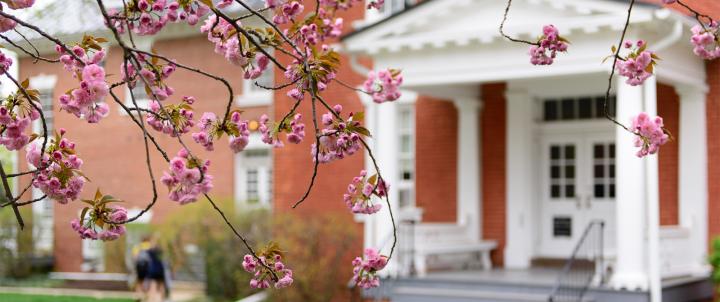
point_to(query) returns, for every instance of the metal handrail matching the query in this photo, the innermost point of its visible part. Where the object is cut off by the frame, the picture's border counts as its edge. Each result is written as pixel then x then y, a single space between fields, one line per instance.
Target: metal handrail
pixel 575 278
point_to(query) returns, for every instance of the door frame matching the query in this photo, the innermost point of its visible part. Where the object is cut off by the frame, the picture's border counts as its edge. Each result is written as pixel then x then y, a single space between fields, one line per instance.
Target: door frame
pixel 583 132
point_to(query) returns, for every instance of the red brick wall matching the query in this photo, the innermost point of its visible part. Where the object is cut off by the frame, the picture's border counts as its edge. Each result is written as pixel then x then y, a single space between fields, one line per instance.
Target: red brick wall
pixel 668 106
pixel 436 159
pixel 113 151
pixel 713 151
pixel 493 131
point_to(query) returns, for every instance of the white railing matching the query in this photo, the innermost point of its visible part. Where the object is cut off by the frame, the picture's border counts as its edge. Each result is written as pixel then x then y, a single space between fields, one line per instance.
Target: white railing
pixel 675 260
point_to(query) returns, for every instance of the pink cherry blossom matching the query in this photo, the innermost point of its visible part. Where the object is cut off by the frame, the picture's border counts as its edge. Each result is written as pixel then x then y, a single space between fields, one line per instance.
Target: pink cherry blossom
pixel 365 270
pixel 261 275
pixel 184 179
pixel 86 101
pixel 339 138
pixel 383 85
pixel 173 120
pixel 361 193
pixel 650 134
pixel 111 228
pixel 705 41
pixel 549 44
pixel 59 175
pixel 376 4
pixel 240 141
pixel 638 65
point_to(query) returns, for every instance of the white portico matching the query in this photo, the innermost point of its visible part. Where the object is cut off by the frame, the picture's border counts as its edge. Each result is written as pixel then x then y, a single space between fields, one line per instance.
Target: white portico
pixel 565 165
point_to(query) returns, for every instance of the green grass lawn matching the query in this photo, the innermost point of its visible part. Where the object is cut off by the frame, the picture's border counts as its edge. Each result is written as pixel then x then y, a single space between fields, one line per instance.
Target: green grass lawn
pixel 41 298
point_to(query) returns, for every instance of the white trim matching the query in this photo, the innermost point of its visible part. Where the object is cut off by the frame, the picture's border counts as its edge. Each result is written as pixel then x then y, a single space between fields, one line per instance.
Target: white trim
pixel 469 211
pixel 43 82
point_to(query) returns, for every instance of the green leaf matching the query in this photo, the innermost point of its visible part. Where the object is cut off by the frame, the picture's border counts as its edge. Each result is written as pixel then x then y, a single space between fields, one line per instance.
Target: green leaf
pixel 82 214
pixel 358 116
pixel 209 3
pixel 373 179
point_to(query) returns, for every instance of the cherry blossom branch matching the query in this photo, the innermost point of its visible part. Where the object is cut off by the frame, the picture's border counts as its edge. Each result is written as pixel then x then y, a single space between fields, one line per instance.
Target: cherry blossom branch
pixel 42 33
pixel 24 203
pixel 238 235
pixel 502 27
pixel 9 196
pixel 616 56
pixel 35 56
pixel 247 35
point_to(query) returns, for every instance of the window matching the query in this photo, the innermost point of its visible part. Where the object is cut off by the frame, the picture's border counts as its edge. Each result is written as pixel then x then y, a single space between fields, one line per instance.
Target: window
pixel 604 170
pixel 390 8
pixel 253 181
pixel 580 108
pixel 253 95
pixel 562 171
pixel 46 104
pixel 141 97
pixel 406 156
pixel 251 185
pixel 93 259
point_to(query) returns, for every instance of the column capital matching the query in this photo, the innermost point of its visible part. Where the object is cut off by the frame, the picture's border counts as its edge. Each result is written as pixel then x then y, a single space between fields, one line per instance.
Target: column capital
pixel 467 103
pixel 690 93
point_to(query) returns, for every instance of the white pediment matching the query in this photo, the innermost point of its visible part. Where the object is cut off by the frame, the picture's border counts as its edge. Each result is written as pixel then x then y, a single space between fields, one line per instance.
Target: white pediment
pixel 438 22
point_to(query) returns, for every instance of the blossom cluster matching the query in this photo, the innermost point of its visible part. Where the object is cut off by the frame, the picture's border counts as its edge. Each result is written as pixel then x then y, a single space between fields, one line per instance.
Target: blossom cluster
pixel 152 76
pixel 16 112
pixel 548 45
pixel 365 270
pixel 285 10
pixel 237 50
pixel 376 4
pixel 706 41
pixel 638 65
pixel 261 275
pixel 360 192
pixel 240 137
pixel 100 221
pixel 86 101
pixel 184 178
pixel 148 17
pixel 7 23
pixel 650 134
pixel 339 138
pixel 172 119
pixel 294 128
pixel 318 73
pixel 5 63
pixel 384 85
pixel 59 175
pixel 212 128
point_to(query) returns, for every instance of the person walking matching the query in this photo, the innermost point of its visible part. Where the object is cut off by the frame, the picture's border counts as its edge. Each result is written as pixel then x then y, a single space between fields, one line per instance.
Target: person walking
pixel 151 274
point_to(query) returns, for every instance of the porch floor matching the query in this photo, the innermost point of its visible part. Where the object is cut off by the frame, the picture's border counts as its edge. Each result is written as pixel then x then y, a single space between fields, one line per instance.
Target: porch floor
pixel 533 284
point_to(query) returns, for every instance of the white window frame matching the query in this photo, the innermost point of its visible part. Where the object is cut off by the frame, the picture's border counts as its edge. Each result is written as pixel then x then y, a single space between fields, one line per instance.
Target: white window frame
pixel 406 130
pixel 252 96
pixel 374 15
pixel 264 167
pixel 44 83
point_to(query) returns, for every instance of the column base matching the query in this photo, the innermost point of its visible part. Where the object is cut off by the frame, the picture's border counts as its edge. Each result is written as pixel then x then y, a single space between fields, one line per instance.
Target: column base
pixel 630 281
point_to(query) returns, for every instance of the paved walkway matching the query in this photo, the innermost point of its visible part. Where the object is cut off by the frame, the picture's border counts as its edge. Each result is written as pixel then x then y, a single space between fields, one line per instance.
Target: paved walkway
pixel 180 293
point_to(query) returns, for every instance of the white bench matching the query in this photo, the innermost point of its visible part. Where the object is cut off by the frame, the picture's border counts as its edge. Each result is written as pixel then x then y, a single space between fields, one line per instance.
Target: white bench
pixel 445 238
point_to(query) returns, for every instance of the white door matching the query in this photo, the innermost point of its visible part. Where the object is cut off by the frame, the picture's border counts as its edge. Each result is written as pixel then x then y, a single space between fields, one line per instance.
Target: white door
pixel 577 173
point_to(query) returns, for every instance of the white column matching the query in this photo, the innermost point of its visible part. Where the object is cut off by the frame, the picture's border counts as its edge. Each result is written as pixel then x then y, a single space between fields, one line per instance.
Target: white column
pixel 652 192
pixel 693 172
pixel 468 165
pixel 631 267
pixel 381 119
pixel 519 179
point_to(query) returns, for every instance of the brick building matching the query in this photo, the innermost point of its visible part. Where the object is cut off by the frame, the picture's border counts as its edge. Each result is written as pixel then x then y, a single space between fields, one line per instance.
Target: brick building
pixel 489 154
